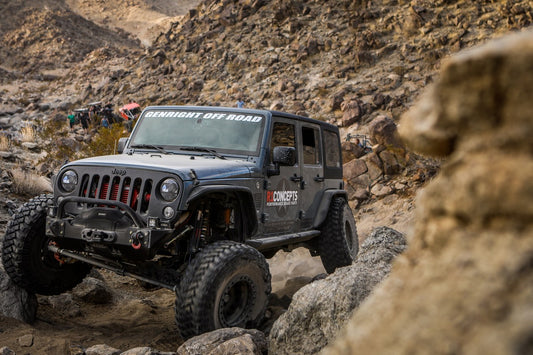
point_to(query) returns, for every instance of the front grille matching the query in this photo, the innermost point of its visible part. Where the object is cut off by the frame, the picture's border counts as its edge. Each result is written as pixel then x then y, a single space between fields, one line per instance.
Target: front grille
pixel 133 191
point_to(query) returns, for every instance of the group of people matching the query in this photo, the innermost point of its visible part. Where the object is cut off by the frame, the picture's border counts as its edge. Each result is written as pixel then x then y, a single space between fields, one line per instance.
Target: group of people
pixel 102 115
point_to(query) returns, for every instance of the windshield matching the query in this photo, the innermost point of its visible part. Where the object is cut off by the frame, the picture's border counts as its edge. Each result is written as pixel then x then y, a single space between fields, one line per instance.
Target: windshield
pixel 222 132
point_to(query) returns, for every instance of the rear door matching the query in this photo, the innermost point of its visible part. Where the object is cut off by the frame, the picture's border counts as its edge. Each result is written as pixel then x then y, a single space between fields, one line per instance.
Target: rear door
pixel 311 172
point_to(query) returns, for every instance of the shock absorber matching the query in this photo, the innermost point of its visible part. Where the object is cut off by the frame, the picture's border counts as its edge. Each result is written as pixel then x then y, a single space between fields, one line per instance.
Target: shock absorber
pixel 201 228
pixel 204 231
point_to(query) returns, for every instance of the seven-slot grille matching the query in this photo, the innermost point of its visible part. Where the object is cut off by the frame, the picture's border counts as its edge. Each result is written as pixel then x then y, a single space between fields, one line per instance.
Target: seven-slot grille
pixel 132 191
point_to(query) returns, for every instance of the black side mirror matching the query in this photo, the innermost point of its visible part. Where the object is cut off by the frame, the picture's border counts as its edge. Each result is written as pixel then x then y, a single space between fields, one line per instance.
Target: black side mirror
pixel 282 156
pixel 121 145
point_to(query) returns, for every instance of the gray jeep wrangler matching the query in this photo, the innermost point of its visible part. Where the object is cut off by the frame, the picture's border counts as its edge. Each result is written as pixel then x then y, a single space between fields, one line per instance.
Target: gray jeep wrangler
pixel 197 200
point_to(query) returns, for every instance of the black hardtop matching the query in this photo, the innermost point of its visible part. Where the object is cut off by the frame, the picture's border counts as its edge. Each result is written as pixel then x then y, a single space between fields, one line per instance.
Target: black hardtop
pixel 268 113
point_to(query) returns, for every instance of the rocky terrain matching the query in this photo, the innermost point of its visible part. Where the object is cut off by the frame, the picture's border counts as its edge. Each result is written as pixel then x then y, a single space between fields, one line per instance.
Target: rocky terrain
pixel 358 64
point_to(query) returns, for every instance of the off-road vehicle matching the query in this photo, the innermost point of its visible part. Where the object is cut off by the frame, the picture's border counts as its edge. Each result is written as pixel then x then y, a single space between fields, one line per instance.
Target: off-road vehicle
pixel 197 200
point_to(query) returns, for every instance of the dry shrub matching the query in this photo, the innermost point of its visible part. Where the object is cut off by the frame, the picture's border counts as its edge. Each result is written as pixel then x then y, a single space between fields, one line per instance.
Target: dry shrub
pixel 5 143
pixel 28 133
pixel 105 142
pixel 52 129
pixel 29 183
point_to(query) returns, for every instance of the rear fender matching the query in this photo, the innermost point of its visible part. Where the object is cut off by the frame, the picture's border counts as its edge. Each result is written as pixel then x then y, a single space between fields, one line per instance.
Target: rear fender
pixel 323 208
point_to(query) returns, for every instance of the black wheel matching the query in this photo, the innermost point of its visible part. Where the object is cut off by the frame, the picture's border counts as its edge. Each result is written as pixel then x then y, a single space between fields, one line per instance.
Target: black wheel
pixel 26 258
pixel 338 243
pixel 226 285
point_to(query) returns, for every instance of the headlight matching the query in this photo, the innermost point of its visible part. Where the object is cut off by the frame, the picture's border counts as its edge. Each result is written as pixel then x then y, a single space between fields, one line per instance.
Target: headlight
pixel 169 189
pixel 69 180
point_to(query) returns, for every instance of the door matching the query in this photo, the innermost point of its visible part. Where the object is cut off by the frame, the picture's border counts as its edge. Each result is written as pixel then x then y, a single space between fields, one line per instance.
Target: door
pixel 311 173
pixel 281 203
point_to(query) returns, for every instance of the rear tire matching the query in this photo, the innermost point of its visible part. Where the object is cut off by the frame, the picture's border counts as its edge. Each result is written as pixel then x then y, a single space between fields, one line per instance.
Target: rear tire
pixel 226 285
pixel 338 243
pixel 26 257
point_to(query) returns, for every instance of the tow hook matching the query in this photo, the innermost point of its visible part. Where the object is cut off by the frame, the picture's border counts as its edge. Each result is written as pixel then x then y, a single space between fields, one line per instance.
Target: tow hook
pixel 136 240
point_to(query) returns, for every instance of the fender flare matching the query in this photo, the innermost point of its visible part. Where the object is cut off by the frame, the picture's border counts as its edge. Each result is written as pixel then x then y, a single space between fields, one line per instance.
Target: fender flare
pixel 244 197
pixel 323 208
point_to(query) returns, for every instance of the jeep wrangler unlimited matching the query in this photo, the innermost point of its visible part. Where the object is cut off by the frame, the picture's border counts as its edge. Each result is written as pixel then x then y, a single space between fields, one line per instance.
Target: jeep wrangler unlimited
pixel 195 202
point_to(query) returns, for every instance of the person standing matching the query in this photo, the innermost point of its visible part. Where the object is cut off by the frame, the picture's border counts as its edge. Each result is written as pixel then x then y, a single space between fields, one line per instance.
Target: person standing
pixel 84 119
pixel 105 122
pixel 71 120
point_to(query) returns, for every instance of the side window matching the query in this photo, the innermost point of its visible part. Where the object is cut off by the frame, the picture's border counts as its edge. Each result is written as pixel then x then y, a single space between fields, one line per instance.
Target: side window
pixel 283 134
pixel 333 156
pixel 311 146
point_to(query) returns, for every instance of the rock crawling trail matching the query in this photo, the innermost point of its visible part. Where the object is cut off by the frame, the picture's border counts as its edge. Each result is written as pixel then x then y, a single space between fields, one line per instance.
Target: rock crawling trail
pixel 135 317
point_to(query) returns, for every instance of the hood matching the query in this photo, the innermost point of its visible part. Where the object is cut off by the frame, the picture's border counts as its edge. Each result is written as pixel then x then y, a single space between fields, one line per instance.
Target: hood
pixel 205 167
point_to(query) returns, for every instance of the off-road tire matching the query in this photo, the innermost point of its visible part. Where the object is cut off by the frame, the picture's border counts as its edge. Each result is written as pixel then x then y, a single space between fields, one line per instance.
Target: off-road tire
pixel 338 243
pixel 226 285
pixel 26 258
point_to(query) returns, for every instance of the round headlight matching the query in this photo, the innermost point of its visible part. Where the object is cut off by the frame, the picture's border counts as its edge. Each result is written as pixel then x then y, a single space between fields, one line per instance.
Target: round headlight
pixel 69 180
pixel 169 189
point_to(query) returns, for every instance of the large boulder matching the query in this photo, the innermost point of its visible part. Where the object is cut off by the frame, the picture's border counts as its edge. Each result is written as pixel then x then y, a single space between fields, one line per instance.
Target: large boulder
pixel 465 284
pixel 15 302
pixel 320 309
pixel 226 341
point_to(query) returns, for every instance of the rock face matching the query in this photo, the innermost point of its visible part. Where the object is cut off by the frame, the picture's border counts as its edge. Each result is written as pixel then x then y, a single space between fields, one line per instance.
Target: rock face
pixel 465 285
pixel 320 309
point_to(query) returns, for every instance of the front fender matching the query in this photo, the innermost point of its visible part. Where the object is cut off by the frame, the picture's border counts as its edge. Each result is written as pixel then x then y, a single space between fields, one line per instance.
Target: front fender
pixel 243 195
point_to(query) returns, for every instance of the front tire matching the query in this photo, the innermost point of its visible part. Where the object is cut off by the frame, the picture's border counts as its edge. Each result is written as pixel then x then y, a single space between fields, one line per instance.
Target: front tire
pixel 26 257
pixel 226 285
pixel 338 243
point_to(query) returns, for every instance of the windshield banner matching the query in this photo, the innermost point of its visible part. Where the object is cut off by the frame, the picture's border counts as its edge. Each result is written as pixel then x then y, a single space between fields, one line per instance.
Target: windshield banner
pixel 228 116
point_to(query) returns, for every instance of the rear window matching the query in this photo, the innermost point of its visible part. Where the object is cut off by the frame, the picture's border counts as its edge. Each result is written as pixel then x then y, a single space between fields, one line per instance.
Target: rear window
pixel 332 147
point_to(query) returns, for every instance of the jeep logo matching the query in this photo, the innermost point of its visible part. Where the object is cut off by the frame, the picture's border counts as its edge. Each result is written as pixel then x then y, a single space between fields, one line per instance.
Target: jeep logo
pixel 120 172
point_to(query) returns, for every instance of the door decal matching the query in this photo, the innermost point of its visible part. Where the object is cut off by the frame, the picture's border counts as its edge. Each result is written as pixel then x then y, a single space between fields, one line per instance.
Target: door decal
pixel 282 197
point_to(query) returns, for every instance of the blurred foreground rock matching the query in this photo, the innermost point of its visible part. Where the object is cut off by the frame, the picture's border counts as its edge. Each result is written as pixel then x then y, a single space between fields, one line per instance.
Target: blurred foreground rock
pixel 465 284
pixel 319 310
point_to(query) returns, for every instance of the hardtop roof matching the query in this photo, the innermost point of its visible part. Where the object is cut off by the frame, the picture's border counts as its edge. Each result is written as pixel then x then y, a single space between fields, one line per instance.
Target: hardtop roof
pixel 247 110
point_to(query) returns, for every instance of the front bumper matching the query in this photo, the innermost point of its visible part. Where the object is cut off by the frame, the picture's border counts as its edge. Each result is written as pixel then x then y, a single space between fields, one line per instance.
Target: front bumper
pixel 105 223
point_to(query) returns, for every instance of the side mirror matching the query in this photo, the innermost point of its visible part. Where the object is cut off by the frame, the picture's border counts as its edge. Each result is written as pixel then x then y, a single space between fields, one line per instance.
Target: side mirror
pixel 121 145
pixel 282 156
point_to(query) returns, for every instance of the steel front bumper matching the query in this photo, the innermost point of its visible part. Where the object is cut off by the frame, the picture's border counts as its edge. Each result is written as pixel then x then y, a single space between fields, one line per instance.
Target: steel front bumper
pixel 104 222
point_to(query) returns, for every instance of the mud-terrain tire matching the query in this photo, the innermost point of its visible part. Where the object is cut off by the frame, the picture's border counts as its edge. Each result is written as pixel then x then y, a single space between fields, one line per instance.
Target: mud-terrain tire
pixel 26 258
pixel 338 243
pixel 226 285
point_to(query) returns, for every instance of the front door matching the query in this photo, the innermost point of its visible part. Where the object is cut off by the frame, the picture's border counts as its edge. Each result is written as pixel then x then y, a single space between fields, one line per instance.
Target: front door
pixel 281 203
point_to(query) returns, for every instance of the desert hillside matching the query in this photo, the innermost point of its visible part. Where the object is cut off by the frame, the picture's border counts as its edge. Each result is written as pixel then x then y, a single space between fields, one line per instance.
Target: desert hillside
pixel 358 64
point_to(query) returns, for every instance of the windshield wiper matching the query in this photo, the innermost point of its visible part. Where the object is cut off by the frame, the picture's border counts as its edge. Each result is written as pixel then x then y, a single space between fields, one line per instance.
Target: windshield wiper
pixel 150 146
pixel 207 150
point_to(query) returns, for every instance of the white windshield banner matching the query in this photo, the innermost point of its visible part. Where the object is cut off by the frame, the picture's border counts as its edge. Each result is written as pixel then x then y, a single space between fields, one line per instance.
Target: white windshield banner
pixel 227 116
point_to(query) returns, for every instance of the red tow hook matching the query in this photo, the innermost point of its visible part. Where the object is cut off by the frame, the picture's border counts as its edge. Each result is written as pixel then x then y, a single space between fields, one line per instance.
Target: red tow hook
pixel 137 241
pixel 56 255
